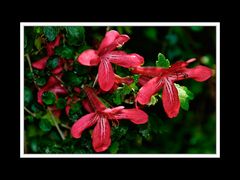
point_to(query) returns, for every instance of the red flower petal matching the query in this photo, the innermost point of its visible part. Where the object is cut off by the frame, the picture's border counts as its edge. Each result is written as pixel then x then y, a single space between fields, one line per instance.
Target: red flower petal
pixel 105 75
pixel 83 123
pixel 125 80
pixel 77 89
pixel 111 41
pixel 58 89
pixel 39 96
pixel 149 71
pixel 125 60
pixel 101 139
pixel 94 101
pixel 109 38
pixel 170 99
pixel 50 46
pixel 143 80
pixel 67 109
pixel 89 58
pixel 41 63
pixel 199 73
pixel 57 70
pixel 86 104
pixel 137 116
pixel 149 89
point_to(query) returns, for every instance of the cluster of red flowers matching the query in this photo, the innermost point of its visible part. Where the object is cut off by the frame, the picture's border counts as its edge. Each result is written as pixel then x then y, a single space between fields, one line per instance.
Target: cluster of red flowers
pixel 152 79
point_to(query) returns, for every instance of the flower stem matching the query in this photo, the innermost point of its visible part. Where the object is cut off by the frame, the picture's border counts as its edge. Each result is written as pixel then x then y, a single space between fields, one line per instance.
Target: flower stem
pixel 56 125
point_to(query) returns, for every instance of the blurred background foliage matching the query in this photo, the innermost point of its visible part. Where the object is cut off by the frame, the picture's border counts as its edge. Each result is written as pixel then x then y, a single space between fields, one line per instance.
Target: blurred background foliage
pixel 193 131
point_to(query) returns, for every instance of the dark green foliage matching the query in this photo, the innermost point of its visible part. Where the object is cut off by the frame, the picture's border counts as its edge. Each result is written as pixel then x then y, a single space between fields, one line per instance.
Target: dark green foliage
pixel 51 32
pixel 192 131
pixel 48 98
pixel 52 62
pixel 61 103
pixel 75 35
pixel 65 52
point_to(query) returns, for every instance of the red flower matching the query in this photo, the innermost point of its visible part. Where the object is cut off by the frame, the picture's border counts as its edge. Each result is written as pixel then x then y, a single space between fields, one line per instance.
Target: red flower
pixel 100 115
pixel 105 55
pixel 41 63
pixel 165 78
pixel 52 85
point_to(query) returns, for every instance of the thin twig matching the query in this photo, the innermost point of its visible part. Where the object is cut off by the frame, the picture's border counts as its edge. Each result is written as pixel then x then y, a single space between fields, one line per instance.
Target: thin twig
pixel 95 81
pixel 31 113
pixel 58 79
pixel 30 66
pixel 29 62
pixel 56 124
pixel 65 126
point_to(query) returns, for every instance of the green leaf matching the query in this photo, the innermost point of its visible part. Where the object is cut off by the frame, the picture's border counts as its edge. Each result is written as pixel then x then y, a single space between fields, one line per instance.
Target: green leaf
pixel 153 100
pixel 49 116
pixel 75 108
pixel 28 96
pixel 38 30
pixel 65 52
pixel 119 95
pixel 114 148
pixel 52 63
pixel 41 81
pixel 162 61
pixel 45 125
pixel 75 35
pixel 117 98
pixel 51 32
pixel 48 98
pixel 38 43
pixel 61 103
pixel 184 95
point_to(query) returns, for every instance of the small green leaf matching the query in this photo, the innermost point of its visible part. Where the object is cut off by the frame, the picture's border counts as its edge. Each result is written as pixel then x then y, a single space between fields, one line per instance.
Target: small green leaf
pixel 162 61
pixel 153 101
pixel 65 52
pixel 51 32
pixel 38 30
pixel 52 63
pixel 45 125
pixel 48 98
pixel 61 103
pixel 184 95
pixel 114 148
pixel 28 96
pixel 117 98
pixel 38 43
pixel 41 81
pixel 75 35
